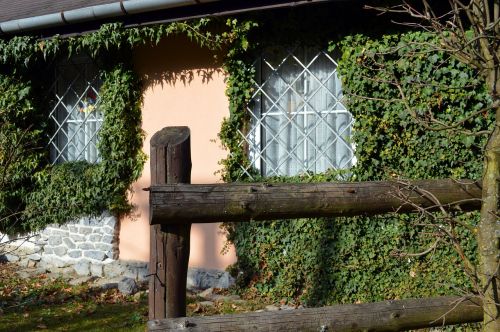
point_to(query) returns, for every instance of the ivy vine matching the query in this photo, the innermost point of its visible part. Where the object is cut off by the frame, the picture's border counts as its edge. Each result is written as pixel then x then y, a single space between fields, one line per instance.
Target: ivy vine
pixel 34 193
pixel 346 260
pixel 71 189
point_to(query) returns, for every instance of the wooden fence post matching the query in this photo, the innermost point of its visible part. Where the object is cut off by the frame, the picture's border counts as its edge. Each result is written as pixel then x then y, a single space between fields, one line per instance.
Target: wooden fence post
pixel 169 256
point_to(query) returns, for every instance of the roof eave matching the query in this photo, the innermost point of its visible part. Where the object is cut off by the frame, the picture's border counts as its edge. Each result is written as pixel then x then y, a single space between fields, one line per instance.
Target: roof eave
pixel 136 12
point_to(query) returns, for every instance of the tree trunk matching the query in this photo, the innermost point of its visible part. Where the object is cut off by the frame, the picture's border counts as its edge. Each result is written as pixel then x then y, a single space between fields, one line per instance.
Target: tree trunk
pixel 489 230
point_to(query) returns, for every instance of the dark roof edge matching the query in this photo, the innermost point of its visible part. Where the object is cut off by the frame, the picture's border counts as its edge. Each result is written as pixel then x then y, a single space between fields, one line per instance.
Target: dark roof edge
pixel 92 13
pixel 137 12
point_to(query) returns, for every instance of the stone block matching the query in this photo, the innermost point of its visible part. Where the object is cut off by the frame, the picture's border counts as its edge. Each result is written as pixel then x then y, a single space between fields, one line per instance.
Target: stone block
pixel 59 232
pixel 97 270
pixel 143 274
pixel 113 270
pixel 55 240
pixel 85 246
pixel 207 293
pixel 23 262
pixel 225 281
pixel 80 281
pixel 35 257
pixel 108 230
pixel 94 237
pixel 73 228
pixel 66 272
pixel 108 239
pixel 205 278
pixel 130 273
pixel 82 268
pixel 49 260
pixel 41 241
pixel 75 253
pixel 110 222
pixel 77 237
pixel 104 246
pixel 69 243
pixel 85 230
pixel 60 251
pixel 94 254
pixel 47 250
pixel 107 283
pixel 207 303
pixel 127 286
pixel 10 258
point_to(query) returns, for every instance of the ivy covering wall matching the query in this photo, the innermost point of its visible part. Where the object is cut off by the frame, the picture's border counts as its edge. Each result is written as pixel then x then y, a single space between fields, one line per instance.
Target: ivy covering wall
pixel 346 260
pixel 38 193
pixel 34 193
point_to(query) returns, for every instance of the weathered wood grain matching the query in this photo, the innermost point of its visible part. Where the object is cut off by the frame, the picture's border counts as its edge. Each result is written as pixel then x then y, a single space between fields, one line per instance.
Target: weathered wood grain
pixel 379 316
pixel 170 163
pixel 261 201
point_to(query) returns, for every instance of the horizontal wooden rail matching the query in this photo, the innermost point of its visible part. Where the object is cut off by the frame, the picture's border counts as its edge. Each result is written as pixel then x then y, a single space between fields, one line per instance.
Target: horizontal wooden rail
pixel 380 316
pixel 184 203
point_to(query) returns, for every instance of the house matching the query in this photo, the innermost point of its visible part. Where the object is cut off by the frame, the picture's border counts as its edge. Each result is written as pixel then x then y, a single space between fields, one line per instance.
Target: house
pixel 297 122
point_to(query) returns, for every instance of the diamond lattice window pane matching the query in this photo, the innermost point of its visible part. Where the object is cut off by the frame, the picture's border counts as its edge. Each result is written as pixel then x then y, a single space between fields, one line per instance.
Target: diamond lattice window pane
pixel 75 116
pixel 298 122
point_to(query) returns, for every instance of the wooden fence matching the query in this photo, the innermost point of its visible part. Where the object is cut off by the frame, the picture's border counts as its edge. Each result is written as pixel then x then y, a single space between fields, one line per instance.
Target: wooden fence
pixel 175 204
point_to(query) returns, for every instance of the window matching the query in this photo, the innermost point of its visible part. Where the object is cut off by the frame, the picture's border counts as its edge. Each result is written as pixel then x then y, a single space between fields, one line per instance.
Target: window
pixel 298 121
pixel 75 115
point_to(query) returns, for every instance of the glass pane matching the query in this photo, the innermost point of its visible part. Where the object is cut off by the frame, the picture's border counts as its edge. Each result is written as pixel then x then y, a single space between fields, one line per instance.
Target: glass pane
pixel 75 114
pixel 299 123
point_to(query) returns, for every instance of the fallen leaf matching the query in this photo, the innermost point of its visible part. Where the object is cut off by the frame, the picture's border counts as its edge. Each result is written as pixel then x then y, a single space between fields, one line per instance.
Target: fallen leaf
pixel 197 309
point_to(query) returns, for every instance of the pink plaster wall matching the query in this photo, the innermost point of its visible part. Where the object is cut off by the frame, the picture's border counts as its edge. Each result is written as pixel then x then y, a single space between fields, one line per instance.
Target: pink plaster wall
pixel 184 87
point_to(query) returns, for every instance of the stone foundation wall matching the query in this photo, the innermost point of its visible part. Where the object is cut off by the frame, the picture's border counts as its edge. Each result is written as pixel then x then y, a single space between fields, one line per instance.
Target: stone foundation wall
pixel 89 241
pixel 86 245
pixel 89 247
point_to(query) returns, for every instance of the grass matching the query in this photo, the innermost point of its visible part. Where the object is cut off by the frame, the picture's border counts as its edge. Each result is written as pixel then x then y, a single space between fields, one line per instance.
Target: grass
pixel 44 303
pixel 195 306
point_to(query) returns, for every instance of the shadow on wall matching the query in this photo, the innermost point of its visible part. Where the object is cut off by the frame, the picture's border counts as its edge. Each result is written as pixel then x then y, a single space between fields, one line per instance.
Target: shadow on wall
pixel 178 60
pixel 183 86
